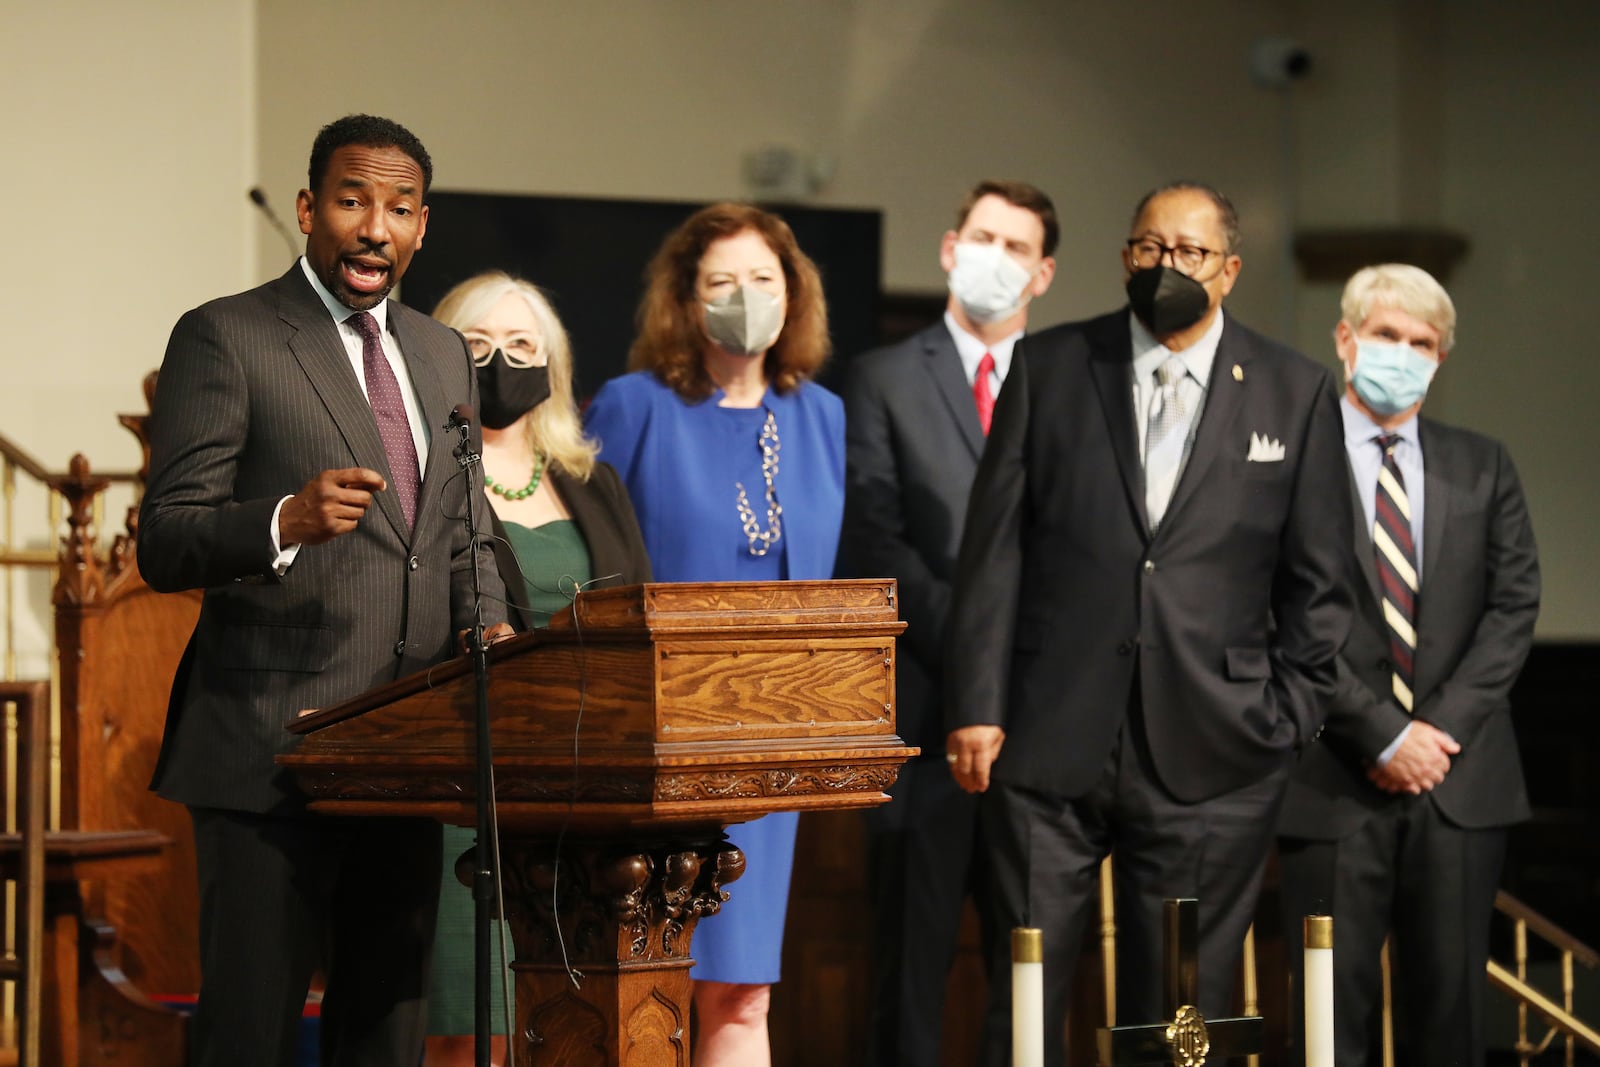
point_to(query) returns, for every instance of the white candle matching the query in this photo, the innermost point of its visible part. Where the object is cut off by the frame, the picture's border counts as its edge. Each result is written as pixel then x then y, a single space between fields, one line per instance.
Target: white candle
pixel 1027 997
pixel 1319 990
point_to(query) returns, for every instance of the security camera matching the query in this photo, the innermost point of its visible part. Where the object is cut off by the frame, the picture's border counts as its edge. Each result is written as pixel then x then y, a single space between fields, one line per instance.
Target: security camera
pixel 1277 61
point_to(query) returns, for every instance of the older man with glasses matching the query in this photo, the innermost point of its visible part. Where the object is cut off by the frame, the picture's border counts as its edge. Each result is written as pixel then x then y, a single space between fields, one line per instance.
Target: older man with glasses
pixel 1149 602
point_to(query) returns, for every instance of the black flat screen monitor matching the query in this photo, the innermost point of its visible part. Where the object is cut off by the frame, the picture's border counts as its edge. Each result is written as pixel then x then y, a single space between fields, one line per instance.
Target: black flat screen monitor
pixel 590 256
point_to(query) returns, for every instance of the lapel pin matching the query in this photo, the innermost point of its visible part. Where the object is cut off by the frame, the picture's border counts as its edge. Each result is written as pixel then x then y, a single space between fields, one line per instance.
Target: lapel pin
pixel 1238 373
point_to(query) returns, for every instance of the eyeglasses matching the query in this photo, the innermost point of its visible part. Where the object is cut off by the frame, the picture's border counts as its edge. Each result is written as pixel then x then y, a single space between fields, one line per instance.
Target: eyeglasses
pixel 521 350
pixel 1147 252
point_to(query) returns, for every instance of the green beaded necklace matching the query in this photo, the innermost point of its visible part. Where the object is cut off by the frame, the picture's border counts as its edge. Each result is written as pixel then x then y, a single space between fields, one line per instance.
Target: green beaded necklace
pixel 518 494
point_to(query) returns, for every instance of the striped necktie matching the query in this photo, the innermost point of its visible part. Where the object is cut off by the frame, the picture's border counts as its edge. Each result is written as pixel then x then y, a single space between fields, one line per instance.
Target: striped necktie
pixel 1397 568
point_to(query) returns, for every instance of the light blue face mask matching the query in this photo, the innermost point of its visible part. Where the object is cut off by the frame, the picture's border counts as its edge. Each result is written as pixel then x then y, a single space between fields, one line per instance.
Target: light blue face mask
pixel 1390 377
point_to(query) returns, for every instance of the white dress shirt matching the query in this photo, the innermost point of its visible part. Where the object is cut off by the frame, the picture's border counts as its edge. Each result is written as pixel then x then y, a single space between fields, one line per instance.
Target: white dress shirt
pixel 971 351
pixel 352 347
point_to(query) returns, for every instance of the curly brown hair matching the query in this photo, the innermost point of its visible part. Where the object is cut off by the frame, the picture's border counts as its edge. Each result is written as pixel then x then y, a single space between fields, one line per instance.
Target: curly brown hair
pixel 672 335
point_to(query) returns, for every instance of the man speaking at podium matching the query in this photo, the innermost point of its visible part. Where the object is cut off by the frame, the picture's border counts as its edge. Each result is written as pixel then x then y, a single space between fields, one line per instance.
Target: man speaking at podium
pixel 299 474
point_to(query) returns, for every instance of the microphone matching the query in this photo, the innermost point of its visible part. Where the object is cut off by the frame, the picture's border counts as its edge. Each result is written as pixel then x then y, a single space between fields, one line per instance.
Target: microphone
pixel 460 416
pixel 259 199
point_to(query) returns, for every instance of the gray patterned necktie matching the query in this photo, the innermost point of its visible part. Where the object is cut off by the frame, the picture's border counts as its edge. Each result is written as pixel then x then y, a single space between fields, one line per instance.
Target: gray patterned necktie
pixel 1163 440
pixel 1169 411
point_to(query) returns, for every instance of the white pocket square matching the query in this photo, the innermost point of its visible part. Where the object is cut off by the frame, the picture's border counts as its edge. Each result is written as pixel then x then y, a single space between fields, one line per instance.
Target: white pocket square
pixel 1264 450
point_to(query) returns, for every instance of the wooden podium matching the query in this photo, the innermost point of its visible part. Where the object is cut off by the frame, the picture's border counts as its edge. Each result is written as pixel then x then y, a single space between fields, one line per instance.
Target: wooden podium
pixel 626 736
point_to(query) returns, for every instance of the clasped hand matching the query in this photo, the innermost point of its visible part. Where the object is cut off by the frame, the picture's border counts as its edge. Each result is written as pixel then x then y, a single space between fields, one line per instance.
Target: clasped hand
pixel 1419 764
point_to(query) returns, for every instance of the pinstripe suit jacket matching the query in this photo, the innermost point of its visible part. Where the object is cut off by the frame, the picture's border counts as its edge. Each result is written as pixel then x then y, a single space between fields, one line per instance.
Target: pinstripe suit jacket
pixel 256 397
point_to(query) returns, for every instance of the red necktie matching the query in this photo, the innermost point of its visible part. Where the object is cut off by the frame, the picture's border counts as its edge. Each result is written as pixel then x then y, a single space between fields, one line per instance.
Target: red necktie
pixel 1397 568
pixel 982 395
pixel 389 409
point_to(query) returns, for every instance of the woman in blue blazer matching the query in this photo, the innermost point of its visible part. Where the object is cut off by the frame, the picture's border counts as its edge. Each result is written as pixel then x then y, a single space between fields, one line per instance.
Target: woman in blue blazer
pixel 734 460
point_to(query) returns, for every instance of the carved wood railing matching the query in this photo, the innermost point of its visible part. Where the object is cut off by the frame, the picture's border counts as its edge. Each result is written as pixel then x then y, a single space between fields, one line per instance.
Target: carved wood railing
pixel 128 918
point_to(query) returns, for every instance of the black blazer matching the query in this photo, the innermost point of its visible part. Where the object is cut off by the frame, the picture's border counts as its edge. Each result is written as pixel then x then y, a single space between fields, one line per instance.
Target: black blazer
pixel 912 442
pixel 1229 617
pixel 256 397
pixel 1475 616
pixel 604 515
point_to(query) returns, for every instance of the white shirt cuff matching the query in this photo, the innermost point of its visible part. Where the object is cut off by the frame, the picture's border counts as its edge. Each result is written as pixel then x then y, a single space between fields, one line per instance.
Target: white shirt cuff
pixel 1394 746
pixel 282 557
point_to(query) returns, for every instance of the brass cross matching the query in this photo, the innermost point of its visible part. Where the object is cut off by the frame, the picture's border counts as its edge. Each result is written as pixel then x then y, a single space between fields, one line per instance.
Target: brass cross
pixel 1184 1038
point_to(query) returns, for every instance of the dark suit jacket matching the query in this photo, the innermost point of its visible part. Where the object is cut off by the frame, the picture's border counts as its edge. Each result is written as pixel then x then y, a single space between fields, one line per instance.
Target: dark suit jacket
pixel 912 442
pixel 1231 614
pixel 1475 616
pixel 604 515
pixel 257 396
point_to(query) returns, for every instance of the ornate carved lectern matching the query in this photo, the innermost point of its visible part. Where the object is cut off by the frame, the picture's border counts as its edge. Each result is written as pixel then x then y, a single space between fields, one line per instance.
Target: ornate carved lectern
pixel 626 736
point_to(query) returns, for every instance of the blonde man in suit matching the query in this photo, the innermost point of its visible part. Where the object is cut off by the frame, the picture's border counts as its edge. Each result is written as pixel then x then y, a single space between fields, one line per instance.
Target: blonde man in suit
pixel 299 476
pixel 1395 822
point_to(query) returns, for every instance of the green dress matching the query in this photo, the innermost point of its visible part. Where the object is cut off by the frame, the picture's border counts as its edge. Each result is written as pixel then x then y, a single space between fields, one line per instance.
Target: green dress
pixel 554 561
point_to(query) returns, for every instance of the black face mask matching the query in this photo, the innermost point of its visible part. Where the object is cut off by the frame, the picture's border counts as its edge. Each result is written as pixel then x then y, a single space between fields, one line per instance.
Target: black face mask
pixel 506 393
pixel 1166 300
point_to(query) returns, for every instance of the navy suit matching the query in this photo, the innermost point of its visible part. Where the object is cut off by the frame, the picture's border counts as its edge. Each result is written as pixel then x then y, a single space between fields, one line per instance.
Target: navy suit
pixel 912 442
pixel 1424 867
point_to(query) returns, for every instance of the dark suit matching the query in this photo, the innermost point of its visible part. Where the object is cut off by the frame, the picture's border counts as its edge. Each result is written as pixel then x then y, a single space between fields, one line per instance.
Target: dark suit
pixel 1425 866
pixel 1153 687
pixel 604 516
pixel 257 396
pixel 912 442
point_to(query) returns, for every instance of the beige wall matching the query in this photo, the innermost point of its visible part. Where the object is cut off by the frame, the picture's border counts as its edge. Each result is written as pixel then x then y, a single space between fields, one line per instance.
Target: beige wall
pixel 913 100
pixel 1474 115
pixel 1519 177
pixel 129 133
pixel 129 142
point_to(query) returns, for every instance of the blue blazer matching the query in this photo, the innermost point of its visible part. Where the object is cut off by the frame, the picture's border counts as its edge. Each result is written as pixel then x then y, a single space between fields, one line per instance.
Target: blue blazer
pixel 682 481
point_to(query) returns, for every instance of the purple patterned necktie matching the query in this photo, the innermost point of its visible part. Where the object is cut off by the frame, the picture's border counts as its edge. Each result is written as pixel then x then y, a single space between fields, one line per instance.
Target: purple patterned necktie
pixel 388 407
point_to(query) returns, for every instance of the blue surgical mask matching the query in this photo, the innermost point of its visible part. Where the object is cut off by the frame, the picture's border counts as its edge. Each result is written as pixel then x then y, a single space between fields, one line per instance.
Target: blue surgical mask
pixel 1390 377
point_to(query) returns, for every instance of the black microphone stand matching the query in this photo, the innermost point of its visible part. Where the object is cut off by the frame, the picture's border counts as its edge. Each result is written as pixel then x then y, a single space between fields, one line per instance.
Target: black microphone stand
pixel 483 875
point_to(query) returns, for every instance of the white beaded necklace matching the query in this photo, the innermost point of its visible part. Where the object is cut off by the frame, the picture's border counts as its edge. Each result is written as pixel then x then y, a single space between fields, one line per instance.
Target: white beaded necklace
pixel 761 541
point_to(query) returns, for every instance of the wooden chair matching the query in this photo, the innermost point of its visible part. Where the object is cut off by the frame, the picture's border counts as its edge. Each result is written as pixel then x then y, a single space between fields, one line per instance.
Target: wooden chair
pixel 117 902
pixel 48 867
pixel 31 701
pixel 122 899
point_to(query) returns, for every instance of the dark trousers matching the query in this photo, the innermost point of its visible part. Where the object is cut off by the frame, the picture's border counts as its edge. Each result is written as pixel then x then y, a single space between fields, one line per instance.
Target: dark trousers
pixel 1411 875
pixel 280 897
pixel 921 853
pixel 1045 854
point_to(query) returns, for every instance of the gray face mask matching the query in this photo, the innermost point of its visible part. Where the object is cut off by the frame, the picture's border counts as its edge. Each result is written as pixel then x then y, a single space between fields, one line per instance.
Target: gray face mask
pixel 745 322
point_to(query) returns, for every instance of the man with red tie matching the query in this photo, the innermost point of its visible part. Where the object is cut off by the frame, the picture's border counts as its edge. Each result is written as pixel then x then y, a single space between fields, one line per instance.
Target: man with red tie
pixel 917 414
pixel 1395 820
